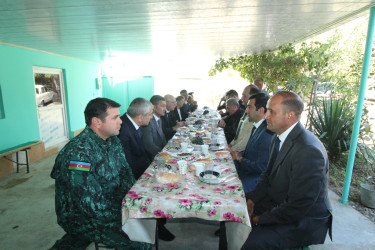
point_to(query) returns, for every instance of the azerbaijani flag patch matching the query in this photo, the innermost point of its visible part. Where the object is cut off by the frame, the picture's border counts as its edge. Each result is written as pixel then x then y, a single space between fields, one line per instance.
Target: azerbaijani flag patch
pixel 79 165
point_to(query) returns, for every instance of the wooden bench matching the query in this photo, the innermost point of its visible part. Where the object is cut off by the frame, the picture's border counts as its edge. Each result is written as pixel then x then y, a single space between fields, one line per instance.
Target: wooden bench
pixel 22 147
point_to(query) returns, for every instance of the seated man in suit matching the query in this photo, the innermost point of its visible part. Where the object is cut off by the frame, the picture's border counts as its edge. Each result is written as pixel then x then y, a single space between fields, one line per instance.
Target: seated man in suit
pixel 185 107
pixel 244 126
pixel 230 123
pixel 154 141
pixel 139 114
pixel 169 120
pixel 152 135
pixel 179 112
pixel 222 104
pixel 193 104
pixel 253 161
pixel 289 207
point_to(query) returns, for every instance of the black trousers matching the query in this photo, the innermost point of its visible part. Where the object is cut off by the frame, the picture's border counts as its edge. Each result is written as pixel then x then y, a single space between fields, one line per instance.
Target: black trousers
pixel 118 240
pixel 309 231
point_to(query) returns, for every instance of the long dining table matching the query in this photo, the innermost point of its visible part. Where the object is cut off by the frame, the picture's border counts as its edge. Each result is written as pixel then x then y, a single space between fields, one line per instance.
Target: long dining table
pixel 190 197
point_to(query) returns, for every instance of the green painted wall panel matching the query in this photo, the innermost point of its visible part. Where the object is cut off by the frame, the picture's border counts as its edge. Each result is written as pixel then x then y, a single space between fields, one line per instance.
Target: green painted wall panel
pixel 143 87
pixel 124 92
pixel 116 91
pixel 18 95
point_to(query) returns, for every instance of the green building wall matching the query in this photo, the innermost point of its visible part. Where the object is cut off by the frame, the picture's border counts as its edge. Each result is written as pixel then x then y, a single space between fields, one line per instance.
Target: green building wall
pixel 20 123
pixel 124 92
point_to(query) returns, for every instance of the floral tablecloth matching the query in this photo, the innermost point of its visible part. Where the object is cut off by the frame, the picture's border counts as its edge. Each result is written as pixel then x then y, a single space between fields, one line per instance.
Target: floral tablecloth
pixel 189 198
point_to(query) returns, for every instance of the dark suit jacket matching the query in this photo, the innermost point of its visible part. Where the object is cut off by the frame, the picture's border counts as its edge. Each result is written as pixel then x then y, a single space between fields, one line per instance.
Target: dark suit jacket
pixel 192 107
pixel 152 141
pixel 186 108
pixel 134 150
pixel 168 123
pixel 184 115
pixel 231 124
pixel 294 189
pixel 255 157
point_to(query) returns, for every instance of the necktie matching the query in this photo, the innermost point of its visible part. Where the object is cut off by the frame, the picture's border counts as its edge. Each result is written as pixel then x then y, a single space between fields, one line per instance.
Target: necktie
pixel 159 128
pixel 252 132
pixel 139 132
pixel 238 129
pixel 179 114
pixel 275 150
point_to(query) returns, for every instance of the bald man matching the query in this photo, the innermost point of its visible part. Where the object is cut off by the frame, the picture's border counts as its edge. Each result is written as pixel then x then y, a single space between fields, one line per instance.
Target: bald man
pixel 289 207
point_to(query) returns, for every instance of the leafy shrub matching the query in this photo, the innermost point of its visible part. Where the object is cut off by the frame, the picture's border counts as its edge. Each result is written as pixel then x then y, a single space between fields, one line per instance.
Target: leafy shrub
pixel 332 123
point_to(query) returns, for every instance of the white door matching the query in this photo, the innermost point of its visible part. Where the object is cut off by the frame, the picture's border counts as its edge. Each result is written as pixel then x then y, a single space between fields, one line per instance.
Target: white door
pixel 50 100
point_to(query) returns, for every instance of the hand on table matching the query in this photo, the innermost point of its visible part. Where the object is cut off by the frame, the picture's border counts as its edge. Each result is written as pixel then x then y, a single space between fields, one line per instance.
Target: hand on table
pixel 222 124
pixel 250 207
pixel 236 155
pixel 254 220
pixel 178 125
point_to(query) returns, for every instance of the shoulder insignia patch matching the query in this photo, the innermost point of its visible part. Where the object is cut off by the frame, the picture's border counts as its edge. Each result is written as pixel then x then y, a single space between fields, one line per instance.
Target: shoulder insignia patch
pixel 79 165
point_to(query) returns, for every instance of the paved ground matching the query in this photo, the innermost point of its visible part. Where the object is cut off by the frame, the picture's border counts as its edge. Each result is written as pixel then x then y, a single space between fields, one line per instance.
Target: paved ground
pixel 28 220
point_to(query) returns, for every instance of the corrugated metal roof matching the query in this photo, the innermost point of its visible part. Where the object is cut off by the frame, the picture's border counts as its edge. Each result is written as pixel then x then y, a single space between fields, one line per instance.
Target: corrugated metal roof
pixel 89 29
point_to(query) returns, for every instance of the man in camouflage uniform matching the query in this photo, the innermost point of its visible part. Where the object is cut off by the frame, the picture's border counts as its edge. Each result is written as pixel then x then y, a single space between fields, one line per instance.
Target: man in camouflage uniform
pixel 92 176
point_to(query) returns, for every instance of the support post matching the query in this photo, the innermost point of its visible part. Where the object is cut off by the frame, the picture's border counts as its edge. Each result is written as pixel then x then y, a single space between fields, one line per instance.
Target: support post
pixel 358 113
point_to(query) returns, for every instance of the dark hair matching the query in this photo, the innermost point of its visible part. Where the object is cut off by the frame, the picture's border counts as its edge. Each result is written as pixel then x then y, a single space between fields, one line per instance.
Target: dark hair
pixel 253 90
pixel 98 108
pixel 155 99
pixel 292 102
pixel 261 100
pixel 179 98
pixel 259 83
pixel 231 93
pixel 183 91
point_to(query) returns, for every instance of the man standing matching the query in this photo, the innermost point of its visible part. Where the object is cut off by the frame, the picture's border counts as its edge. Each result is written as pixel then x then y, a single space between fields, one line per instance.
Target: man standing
pixel 169 120
pixel 91 178
pixel 253 161
pixel 230 123
pixel 244 126
pixel 259 84
pixel 153 136
pixel 139 114
pixel 289 207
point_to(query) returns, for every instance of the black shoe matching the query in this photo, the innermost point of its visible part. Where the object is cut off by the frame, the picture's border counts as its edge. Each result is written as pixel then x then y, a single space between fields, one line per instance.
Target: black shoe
pixel 164 234
pixel 217 232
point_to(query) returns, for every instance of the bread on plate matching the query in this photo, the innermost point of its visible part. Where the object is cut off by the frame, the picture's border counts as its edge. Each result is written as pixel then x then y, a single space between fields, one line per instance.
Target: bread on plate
pixel 205 160
pixel 164 155
pixel 222 154
pixel 167 177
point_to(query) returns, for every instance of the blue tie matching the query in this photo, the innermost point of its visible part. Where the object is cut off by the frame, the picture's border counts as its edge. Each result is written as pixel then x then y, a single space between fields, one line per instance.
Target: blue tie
pixel 275 151
pixel 277 145
pixel 139 132
pixel 252 131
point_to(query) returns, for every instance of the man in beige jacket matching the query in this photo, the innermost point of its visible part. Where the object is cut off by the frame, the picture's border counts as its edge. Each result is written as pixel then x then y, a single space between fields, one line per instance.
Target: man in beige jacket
pixel 244 127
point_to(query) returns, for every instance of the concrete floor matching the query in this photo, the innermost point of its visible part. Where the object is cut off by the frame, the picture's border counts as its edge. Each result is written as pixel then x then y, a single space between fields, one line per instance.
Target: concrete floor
pixel 28 220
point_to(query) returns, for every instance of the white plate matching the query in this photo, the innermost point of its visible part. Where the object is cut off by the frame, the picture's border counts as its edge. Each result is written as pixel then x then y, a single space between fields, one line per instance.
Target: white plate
pixel 216 180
